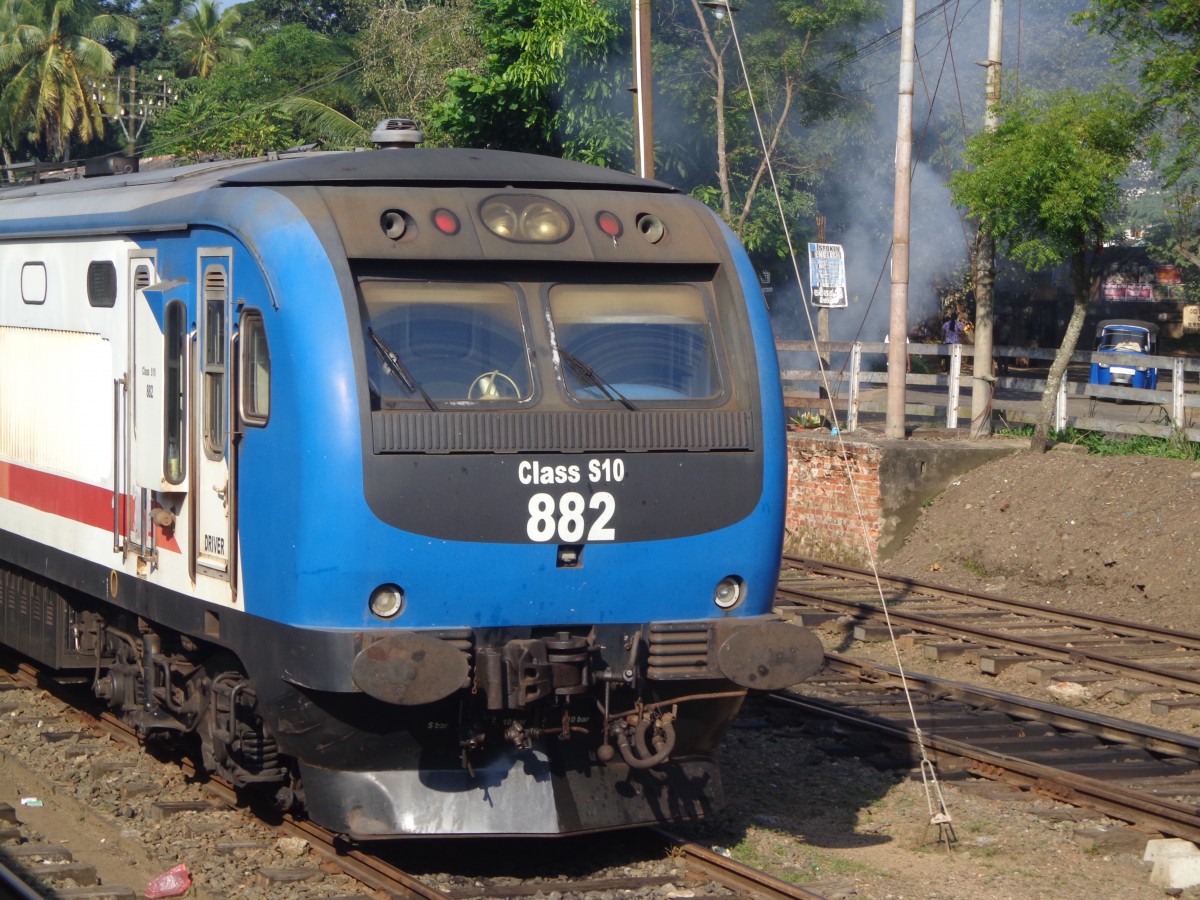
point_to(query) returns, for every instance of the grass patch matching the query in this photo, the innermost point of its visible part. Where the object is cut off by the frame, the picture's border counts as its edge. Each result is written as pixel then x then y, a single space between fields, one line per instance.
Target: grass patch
pixel 1099 444
pixel 789 860
pixel 975 567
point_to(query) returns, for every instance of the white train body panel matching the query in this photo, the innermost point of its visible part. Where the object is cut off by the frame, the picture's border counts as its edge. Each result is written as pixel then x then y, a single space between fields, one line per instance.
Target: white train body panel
pixel 81 417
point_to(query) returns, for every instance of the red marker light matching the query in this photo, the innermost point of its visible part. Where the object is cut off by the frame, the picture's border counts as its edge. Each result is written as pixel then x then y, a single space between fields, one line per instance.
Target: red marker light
pixel 609 224
pixel 445 221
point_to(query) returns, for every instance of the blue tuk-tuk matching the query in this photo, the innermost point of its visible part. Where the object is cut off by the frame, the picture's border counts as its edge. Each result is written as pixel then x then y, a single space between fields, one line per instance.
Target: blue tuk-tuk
pixel 1126 336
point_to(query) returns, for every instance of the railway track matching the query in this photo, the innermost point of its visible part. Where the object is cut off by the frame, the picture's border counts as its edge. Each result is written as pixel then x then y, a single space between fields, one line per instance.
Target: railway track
pixel 438 869
pixel 1147 776
pixel 1001 633
pixel 1137 772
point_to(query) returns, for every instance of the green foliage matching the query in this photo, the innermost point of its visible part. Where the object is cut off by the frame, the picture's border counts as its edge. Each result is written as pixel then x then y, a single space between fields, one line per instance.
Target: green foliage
pixel 51 51
pixel 197 126
pixel 543 81
pixel 789 48
pixel 1046 179
pixel 1163 40
pixel 206 35
pixel 406 52
pixel 154 18
pixel 1170 221
pixel 261 18
pixel 242 108
pixel 1100 444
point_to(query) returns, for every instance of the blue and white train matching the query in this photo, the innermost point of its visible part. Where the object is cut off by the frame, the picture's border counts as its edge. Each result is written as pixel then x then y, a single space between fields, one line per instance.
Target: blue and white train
pixel 439 491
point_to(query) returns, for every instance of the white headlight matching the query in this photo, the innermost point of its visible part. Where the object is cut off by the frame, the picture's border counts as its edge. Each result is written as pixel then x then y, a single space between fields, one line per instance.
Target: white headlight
pixel 387 601
pixel 728 592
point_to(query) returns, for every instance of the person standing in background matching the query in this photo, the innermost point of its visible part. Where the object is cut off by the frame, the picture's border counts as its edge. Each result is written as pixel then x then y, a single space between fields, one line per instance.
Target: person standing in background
pixel 952 333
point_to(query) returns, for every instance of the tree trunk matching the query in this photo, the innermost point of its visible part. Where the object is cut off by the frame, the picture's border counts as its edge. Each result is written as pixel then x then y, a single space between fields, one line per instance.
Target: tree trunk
pixel 1085 287
pixel 717 58
pixel 982 384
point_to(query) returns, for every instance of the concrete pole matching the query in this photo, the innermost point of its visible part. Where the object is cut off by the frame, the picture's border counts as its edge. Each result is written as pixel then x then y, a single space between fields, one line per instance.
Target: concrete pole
pixel 643 92
pixel 898 328
pixel 982 382
pixel 822 321
pixel 131 130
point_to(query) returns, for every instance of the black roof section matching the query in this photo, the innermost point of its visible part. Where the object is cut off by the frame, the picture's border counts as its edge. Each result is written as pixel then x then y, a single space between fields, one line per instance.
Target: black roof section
pixel 428 167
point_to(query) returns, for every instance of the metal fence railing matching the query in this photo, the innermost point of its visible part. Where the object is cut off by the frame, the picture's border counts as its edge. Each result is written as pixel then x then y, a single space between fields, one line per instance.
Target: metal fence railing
pixel 856 374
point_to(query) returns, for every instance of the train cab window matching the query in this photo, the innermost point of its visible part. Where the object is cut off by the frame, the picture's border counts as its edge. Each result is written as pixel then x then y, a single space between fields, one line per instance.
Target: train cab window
pixel 102 283
pixel 255 370
pixel 175 338
pixel 431 342
pixel 33 282
pixel 641 342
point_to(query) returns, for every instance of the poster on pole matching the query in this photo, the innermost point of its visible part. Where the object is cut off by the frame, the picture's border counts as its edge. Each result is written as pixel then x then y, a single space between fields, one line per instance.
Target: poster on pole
pixel 827 275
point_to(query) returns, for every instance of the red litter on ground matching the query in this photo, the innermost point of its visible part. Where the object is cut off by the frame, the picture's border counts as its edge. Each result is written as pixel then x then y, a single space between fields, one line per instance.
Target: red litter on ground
pixel 172 883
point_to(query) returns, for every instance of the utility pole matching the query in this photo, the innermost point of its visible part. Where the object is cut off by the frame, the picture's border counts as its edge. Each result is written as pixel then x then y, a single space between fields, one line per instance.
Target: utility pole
pixel 643 93
pixel 983 383
pixel 822 320
pixel 898 326
pixel 131 105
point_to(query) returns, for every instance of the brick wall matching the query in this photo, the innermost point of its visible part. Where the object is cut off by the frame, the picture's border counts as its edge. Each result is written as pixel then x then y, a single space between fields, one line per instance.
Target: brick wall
pixel 824 518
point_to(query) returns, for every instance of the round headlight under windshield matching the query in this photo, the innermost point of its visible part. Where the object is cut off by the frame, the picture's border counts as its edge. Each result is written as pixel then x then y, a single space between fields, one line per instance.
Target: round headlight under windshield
pixel 729 592
pixel 387 601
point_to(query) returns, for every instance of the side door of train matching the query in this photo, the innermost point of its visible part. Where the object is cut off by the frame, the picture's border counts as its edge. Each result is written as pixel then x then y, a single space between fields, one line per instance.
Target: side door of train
pixel 212 482
pixel 142 457
pixel 178 425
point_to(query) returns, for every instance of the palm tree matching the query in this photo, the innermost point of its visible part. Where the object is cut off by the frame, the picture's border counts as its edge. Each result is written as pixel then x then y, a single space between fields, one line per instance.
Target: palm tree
pixel 51 56
pixel 207 37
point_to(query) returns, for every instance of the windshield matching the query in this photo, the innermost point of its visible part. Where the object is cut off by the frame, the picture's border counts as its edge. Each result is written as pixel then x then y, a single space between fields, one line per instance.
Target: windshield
pixel 1124 340
pixel 456 341
pixel 637 341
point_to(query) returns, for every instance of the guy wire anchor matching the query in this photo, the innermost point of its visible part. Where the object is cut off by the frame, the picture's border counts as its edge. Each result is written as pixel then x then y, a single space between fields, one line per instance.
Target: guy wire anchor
pixel 941 818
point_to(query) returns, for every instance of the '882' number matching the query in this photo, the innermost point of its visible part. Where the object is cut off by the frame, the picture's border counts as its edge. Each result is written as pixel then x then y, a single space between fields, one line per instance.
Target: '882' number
pixel 568 517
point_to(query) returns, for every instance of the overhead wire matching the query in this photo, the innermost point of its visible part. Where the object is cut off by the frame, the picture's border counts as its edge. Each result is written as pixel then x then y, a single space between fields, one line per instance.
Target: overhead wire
pixel 935 800
pixel 932 95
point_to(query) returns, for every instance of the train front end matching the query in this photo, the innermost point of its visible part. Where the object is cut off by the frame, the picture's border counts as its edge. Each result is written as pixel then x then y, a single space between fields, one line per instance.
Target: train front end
pixel 545 601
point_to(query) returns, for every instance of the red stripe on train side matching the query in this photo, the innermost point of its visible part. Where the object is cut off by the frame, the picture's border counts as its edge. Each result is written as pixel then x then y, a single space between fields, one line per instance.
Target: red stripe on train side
pixel 58 495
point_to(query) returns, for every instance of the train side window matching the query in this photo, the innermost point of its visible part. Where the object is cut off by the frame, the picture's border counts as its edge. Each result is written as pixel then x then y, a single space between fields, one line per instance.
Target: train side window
pixel 175 407
pixel 255 370
pixel 33 282
pixel 102 283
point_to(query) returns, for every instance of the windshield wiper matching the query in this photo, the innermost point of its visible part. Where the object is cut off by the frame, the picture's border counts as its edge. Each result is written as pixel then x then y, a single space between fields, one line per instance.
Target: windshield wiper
pixel 587 374
pixel 392 363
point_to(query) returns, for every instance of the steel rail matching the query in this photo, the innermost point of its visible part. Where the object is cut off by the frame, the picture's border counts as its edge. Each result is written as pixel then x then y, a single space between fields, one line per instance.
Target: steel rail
pixel 379 875
pixel 370 871
pixel 1146 737
pixel 1126 627
pixel 1072 654
pixel 1167 816
pixel 743 880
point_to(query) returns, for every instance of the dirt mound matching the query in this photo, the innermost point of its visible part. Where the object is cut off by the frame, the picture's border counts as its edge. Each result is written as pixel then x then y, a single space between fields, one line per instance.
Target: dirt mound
pixel 1111 535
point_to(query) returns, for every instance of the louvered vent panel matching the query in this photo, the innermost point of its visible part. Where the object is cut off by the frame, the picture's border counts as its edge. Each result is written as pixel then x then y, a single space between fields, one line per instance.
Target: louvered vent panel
pixel 680 650
pixel 448 431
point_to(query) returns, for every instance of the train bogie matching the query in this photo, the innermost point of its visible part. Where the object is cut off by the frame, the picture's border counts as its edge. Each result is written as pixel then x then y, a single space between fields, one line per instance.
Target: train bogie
pixel 441 491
